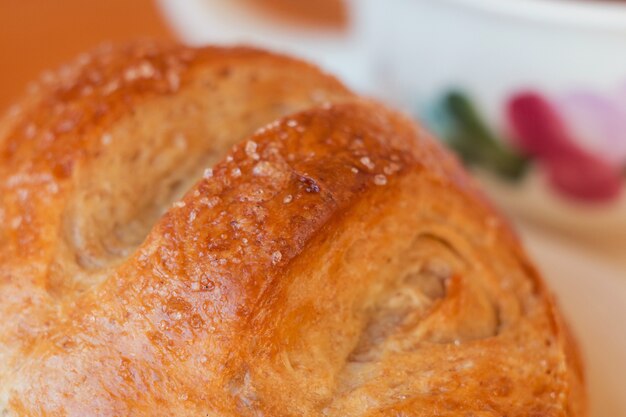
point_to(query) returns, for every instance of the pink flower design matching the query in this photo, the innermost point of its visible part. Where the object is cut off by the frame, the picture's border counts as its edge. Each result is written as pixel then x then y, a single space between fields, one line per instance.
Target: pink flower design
pixel 541 131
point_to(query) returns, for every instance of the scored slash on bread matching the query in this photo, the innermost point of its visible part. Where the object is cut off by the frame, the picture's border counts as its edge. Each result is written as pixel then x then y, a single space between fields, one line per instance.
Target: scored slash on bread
pixel 229 232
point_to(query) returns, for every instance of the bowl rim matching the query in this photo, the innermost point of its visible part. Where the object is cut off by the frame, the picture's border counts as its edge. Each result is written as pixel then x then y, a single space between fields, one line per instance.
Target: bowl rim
pixel 591 14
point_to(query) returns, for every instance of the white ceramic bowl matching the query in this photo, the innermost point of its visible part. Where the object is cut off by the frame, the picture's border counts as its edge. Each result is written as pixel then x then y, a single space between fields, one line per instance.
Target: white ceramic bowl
pixel 568 52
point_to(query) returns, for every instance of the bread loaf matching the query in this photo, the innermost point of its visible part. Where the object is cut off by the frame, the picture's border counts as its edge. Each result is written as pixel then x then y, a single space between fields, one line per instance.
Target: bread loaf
pixel 229 232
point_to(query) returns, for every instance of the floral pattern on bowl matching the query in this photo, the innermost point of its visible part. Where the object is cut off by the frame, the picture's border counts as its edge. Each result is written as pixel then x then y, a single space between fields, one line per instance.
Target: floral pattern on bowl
pixel 578 140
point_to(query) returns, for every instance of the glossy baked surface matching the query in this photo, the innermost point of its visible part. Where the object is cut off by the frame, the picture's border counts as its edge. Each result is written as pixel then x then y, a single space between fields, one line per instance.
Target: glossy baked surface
pixel 226 232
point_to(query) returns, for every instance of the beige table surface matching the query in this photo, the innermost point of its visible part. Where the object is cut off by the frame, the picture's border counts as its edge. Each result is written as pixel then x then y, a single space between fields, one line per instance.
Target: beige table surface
pixel 591 288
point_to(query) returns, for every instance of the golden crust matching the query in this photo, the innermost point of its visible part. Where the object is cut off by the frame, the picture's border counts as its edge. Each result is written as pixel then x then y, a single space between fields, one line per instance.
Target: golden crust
pixel 335 262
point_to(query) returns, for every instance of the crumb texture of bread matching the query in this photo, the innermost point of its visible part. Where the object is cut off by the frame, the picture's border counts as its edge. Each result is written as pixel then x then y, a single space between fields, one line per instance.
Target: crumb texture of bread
pixel 231 232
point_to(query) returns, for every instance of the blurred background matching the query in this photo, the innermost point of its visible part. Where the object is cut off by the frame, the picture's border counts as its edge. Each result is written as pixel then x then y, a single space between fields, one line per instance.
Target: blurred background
pixel 530 94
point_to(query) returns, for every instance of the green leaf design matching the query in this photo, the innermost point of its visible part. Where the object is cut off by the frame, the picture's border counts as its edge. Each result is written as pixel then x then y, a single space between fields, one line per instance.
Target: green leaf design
pixel 475 143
